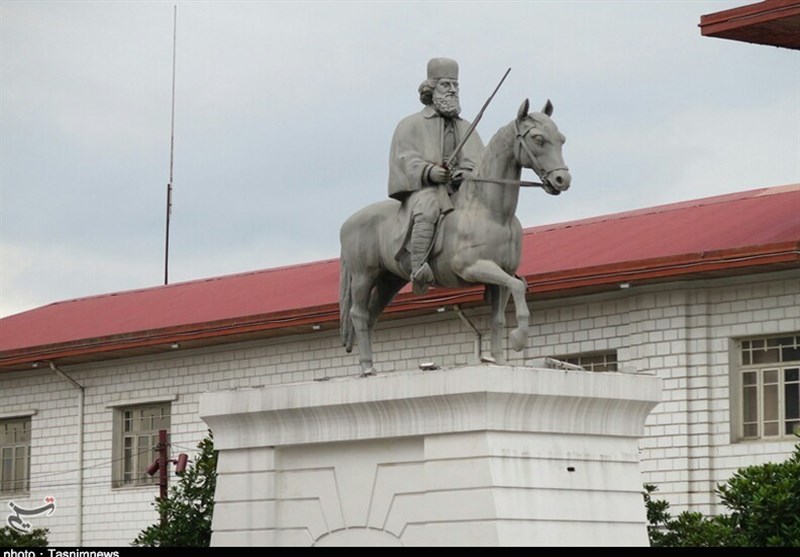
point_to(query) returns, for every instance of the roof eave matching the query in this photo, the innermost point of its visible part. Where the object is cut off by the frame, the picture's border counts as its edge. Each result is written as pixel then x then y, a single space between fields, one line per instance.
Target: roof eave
pixel 771 23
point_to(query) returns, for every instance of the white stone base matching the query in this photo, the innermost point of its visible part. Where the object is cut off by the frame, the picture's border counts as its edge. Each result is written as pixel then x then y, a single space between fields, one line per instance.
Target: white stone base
pixel 475 456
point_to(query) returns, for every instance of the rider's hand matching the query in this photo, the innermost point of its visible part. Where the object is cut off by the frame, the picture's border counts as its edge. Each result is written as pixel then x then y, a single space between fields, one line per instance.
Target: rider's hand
pixel 438 174
pixel 457 177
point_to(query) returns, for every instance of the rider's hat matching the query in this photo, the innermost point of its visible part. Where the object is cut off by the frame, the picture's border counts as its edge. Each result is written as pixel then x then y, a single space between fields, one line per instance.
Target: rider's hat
pixel 439 68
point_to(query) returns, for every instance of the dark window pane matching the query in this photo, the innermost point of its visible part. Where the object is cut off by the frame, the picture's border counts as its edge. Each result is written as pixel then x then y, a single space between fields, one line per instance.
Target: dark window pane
pixel 8 463
pixel 791 395
pixel 789 354
pixel 20 467
pixel 769 356
pixel 750 404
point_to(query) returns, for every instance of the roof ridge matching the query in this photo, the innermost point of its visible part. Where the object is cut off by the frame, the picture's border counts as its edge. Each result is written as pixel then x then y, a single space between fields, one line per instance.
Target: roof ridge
pixel 187 282
pixel 668 207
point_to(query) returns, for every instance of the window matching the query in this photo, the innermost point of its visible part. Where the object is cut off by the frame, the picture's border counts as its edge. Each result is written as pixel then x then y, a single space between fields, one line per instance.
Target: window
pixel 15 455
pixel 136 442
pixel 598 361
pixel 770 386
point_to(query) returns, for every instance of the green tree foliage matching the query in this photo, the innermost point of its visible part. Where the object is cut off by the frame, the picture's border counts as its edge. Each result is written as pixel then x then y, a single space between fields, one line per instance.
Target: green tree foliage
pixel 764 505
pixel 9 537
pixel 189 506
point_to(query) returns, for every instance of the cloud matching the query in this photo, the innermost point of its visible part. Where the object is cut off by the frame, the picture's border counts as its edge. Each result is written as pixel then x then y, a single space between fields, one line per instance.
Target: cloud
pixel 51 273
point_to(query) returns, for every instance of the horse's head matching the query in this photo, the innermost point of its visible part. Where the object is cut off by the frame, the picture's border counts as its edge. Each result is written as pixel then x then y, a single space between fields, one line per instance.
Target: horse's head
pixel 538 146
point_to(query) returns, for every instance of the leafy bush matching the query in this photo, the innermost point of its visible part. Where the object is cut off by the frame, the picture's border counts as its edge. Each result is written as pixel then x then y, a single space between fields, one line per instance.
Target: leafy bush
pixel 764 501
pixel 10 537
pixel 189 506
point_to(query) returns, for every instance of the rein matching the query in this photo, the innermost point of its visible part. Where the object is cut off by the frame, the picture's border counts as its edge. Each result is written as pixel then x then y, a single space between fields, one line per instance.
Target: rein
pixel 521 183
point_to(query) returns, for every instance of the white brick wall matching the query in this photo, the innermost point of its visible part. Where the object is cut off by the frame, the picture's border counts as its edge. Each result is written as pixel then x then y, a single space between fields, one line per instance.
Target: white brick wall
pixel 681 331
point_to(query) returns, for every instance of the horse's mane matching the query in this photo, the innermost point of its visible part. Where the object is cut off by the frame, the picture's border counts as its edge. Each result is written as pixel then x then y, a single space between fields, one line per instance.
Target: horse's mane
pixel 495 148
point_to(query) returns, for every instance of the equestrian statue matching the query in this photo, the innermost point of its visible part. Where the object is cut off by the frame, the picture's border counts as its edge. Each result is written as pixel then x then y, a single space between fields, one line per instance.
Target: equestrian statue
pixel 450 220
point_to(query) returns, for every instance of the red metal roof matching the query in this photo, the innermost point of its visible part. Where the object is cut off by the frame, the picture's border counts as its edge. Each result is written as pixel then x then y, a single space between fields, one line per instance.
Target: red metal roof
pixel 273 291
pixel 747 230
pixel 757 217
pixel 772 22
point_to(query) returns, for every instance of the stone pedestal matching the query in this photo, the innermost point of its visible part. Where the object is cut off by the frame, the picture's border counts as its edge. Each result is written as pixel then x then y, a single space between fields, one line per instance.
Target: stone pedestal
pixel 475 456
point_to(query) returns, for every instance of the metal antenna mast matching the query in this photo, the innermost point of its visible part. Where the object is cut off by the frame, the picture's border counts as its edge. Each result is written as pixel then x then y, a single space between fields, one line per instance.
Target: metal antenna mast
pixel 171 145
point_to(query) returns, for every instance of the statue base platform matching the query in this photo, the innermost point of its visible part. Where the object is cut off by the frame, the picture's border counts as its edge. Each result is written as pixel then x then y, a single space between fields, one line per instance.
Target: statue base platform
pixel 484 455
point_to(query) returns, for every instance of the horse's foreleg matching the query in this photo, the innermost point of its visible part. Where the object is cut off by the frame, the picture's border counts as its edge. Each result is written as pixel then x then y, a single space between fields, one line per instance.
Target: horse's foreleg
pixel 361 289
pixel 519 336
pixel 488 272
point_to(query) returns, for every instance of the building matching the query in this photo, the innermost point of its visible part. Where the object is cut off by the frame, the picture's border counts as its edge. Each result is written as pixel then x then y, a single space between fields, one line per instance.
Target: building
pixel 771 22
pixel 704 293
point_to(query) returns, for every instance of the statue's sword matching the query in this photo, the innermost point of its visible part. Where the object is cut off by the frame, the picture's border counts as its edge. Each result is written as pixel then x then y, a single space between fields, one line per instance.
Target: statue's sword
pixel 457 150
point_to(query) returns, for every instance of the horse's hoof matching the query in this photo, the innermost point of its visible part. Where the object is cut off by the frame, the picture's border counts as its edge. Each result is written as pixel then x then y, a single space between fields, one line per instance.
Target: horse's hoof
pixel 518 339
pixel 369 372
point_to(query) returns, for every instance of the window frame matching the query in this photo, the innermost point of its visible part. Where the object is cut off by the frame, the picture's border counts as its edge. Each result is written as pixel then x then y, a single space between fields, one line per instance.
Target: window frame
pixel 764 385
pixel 13 447
pixel 130 461
pixel 576 359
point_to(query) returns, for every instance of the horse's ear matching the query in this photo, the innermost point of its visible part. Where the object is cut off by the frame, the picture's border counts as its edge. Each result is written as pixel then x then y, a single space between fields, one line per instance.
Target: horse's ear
pixel 523 109
pixel 548 108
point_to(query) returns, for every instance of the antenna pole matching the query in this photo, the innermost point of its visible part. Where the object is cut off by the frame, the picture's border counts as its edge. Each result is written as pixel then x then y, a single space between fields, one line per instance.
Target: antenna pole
pixel 171 145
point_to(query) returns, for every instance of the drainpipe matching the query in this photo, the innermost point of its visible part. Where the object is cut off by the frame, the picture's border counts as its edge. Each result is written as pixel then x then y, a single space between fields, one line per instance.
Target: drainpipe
pixel 79 496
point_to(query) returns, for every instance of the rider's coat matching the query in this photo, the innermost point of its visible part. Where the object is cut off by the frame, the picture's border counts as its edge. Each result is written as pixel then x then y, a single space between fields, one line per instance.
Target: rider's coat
pixel 417 144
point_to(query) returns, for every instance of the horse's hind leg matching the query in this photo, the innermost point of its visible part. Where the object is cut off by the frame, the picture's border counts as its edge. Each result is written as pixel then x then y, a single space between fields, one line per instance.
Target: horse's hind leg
pixel 498 299
pixel 386 288
pixel 361 289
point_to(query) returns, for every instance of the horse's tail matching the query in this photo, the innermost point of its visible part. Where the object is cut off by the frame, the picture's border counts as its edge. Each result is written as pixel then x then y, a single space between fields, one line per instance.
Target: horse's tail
pixel 345 303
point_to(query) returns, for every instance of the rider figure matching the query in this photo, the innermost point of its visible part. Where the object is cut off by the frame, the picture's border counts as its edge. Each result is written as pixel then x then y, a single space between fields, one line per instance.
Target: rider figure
pixel 420 173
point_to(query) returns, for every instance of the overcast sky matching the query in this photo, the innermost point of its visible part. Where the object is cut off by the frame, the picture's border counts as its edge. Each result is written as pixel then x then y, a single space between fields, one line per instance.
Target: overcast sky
pixel 285 111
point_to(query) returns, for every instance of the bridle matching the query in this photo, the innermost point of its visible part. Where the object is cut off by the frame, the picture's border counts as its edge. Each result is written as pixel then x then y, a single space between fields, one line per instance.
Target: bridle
pixel 521 146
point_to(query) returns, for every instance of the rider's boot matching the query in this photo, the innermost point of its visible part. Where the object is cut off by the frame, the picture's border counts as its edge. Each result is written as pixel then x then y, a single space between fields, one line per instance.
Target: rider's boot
pixel 421 273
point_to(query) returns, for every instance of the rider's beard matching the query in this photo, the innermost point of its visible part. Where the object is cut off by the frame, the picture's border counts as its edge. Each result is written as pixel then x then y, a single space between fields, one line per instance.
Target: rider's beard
pixel 446 104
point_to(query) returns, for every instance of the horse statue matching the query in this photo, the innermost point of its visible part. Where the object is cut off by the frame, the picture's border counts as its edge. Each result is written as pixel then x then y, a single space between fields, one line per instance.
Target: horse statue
pixel 479 242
